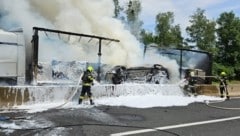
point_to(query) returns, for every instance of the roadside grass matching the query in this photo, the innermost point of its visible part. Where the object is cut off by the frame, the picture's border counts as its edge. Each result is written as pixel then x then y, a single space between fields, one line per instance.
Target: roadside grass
pixel 229 82
pixel 234 82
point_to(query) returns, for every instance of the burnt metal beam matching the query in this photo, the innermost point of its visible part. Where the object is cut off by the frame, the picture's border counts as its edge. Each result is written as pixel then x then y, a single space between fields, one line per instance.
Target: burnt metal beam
pixel 9 43
pixel 99 60
pixel 35 43
pixel 75 34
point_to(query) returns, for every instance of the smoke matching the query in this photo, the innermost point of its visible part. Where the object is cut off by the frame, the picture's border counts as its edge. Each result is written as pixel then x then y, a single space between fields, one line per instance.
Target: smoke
pixel 20 14
pixel 93 17
pixel 154 57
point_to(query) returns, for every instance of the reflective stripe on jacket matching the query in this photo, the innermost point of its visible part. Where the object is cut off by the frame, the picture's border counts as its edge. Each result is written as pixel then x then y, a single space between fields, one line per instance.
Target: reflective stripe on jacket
pixel 89 81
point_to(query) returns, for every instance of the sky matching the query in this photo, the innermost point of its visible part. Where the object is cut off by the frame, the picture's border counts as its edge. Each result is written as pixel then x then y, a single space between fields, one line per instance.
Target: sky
pixel 183 9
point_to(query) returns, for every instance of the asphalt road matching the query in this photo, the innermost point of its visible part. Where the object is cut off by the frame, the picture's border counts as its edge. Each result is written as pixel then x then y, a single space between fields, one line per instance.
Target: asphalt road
pixel 196 119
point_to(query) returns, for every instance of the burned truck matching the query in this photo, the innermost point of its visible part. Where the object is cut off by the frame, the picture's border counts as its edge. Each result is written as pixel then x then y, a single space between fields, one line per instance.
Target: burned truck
pixel 20 64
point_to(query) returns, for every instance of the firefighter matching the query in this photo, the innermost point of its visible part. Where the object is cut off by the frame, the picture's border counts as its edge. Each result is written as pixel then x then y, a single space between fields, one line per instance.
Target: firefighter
pixel 191 82
pixel 118 76
pixel 87 82
pixel 223 84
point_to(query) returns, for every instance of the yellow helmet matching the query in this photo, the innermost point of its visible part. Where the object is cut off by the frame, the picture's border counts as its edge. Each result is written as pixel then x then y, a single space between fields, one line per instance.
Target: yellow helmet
pixel 192 73
pixel 90 68
pixel 223 74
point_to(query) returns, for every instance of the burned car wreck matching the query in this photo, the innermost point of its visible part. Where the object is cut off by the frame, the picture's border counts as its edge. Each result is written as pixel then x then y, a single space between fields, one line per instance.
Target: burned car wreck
pixel 156 74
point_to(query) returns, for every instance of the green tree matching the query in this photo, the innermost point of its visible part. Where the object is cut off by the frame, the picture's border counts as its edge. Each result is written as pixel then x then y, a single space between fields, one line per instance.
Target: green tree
pixel 228 33
pixel 133 11
pixel 202 31
pixel 177 38
pixel 168 35
pixel 147 37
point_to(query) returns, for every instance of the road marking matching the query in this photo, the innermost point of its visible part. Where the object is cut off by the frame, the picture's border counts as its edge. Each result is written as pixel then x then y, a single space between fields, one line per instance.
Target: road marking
pixel 175 126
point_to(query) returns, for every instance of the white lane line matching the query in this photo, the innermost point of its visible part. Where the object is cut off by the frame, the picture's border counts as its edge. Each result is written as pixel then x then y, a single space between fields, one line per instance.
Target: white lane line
pixel 175 126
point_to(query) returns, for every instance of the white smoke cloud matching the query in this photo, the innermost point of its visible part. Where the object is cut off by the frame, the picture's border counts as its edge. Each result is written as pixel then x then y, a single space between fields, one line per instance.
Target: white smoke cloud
pixel 94 17
pixel 20 14
pixel 171 65
pixel 81 16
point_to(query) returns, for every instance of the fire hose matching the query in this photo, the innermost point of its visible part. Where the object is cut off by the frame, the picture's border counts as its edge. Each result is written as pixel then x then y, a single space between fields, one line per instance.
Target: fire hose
pixel 72 94
pixel 211 103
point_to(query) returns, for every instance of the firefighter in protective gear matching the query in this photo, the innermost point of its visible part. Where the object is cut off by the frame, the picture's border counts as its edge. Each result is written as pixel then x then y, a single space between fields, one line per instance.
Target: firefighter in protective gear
pixel 223 84
pixel 191 82
pixel 87 82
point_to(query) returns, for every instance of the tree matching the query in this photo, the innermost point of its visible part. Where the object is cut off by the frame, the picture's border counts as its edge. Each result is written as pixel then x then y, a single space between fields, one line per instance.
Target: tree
pixel 168 35
pixel 202 31
pixel 147 37
pixel 228 33
pixel 132 12
pixel 117 8
pixel 177 38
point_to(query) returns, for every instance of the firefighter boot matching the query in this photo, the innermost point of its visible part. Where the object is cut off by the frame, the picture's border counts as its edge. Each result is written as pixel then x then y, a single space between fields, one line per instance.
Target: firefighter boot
pixel 228 97
pixel 91 102
pixel 221 95
pixel 80 101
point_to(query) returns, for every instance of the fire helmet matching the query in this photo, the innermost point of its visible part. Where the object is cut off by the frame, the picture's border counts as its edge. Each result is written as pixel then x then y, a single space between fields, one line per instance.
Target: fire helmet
pixel 223 73
pixel 90 68
pixel 192 73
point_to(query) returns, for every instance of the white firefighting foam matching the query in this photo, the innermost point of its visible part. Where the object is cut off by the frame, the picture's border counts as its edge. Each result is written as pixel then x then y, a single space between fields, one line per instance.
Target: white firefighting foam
pixel 131 95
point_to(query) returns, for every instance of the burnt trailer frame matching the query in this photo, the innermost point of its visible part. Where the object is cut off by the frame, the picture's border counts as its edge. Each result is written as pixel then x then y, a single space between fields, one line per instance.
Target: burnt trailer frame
pixel 35 48
pixel 180 53
pixel 208 72
pixel 208 65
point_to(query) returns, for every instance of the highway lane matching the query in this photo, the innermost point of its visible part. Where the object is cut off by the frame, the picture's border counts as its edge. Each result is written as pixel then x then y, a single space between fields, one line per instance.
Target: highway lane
pixel 198 118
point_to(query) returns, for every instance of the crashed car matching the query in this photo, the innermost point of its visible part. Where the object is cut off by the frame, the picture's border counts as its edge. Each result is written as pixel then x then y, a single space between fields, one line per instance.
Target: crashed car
pixel 154 74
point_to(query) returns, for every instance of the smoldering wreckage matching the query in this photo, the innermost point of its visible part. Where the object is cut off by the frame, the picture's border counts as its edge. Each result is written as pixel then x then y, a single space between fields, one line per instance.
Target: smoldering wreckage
pixel 21 72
